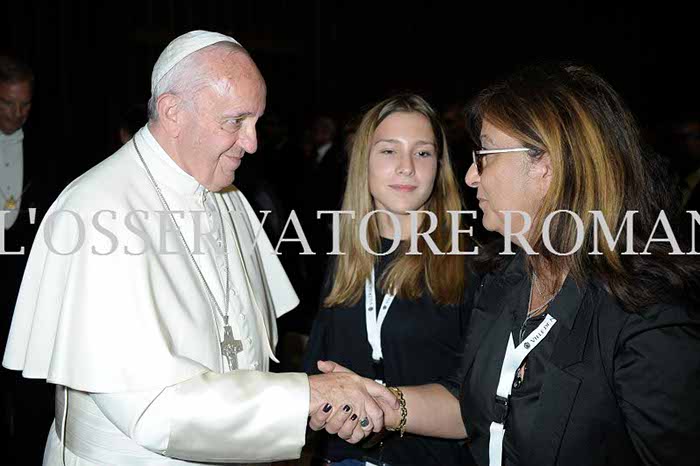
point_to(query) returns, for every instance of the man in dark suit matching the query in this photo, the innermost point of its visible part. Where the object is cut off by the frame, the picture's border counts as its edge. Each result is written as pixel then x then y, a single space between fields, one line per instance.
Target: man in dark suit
pixel 328 164
pixel 16 88
pixel 23 187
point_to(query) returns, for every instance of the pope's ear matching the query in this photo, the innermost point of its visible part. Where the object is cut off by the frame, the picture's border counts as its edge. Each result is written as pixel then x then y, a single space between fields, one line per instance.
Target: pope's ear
pixel 170 113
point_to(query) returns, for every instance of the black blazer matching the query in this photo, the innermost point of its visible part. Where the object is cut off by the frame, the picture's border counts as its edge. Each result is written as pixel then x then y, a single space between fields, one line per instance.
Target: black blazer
pixel 620 389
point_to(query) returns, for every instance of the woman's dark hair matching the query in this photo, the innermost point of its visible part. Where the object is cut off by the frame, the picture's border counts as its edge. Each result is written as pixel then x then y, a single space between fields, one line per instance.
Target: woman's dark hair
pixel 599 164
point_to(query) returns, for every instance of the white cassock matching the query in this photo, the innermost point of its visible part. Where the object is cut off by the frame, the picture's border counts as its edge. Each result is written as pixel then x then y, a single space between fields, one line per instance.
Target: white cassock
pixel 125 324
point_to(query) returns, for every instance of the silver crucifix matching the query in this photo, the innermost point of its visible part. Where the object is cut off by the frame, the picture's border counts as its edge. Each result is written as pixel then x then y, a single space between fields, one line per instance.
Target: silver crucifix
pixel 230 347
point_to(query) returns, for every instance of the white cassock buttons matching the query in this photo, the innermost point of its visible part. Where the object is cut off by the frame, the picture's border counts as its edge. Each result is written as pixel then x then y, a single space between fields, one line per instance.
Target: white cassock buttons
pixel 255 365
pixel 242 316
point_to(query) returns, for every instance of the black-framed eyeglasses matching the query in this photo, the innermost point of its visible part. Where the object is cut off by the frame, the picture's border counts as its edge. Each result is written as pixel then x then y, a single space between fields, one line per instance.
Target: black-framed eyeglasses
pixel 478 155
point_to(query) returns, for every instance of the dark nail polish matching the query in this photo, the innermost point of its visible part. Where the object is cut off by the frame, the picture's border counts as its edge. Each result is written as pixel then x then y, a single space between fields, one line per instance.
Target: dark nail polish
pixel 353 417
pixel 347 408
pixel 327 408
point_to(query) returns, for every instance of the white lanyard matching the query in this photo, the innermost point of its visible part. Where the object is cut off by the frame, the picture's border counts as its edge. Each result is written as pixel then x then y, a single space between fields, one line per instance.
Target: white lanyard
pixel 511 362
pixel 374 321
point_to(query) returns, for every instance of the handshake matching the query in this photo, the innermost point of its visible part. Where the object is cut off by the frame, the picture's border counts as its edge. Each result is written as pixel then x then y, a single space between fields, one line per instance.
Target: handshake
pixel 351 406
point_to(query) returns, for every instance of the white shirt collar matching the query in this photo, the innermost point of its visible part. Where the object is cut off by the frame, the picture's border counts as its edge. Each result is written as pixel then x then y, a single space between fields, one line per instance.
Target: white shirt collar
pixel 11 172
pixel 165 169
pixel 322 151
pixel 14 138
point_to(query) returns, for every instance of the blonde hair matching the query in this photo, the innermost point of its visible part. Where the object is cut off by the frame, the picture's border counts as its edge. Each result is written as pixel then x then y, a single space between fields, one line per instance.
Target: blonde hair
pixel 442 276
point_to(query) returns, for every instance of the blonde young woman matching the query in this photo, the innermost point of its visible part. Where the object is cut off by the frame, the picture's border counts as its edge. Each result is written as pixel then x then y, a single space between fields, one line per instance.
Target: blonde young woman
pixel 576 354
pixel 399 163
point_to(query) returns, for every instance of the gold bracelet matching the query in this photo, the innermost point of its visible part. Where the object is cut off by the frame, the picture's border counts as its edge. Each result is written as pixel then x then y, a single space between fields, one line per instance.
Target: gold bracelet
pixel 404 412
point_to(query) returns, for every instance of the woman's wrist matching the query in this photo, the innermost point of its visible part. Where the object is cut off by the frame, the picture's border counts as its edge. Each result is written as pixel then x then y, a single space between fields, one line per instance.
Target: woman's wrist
pixel 392 418
pixel 396 421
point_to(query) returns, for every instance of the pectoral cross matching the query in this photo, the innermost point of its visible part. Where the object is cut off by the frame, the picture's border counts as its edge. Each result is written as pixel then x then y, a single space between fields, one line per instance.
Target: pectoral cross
pixel 230 347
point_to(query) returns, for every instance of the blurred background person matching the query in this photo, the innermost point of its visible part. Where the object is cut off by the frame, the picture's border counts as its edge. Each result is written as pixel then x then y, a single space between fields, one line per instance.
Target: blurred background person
pixel 16 89
pixel 24 184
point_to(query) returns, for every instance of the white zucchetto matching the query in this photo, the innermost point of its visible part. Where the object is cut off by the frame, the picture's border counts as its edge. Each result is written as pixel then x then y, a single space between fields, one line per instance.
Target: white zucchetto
pixel 181 47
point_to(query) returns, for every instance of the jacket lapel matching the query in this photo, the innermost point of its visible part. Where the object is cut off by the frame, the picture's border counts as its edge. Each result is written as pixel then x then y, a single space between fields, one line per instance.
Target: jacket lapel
pixel 489 306
pixel 559 387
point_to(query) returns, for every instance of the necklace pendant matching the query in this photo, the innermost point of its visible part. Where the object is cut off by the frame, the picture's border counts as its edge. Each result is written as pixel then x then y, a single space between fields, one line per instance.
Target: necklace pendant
pixel 519 377
pixel 10 204
pixel 230 347
pixel 517 382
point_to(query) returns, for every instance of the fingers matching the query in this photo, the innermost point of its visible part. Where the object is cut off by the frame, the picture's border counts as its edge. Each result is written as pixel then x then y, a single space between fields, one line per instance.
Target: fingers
pixel 318 420
pixel 330 366
pixel 325 366
pixel 348 395
pixel 355 428
pixel 375 414
pixel 366 425
pixel 348 428
pixel 338 419
pixel 358 434
pixel 362 430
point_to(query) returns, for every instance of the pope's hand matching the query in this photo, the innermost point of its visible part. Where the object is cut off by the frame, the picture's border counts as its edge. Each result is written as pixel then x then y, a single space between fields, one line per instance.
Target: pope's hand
pixel 341 400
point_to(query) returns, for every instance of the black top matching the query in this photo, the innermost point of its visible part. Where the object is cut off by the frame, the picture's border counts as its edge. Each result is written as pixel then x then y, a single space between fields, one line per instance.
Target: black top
pixel 421 343
pixel 604 387
pixel 525 393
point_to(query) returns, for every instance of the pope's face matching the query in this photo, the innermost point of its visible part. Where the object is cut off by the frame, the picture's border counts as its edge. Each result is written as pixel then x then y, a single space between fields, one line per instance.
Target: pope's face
pixel 15 103
pixel 219 127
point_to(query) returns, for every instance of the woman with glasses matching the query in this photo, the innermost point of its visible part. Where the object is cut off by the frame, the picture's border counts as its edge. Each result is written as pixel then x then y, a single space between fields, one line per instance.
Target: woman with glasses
pixel 395 317
pixel 579 352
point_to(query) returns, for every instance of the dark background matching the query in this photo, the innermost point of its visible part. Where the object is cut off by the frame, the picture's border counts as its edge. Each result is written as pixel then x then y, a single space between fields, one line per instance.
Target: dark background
pixel 92 59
